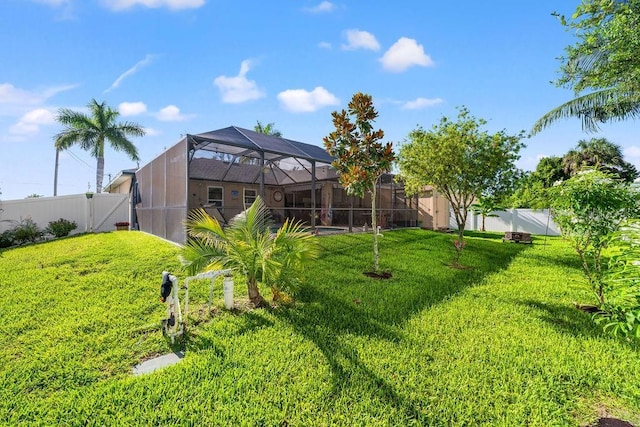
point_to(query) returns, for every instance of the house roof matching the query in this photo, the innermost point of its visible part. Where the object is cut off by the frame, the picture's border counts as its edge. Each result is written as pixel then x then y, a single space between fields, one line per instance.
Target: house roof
pixel 245 142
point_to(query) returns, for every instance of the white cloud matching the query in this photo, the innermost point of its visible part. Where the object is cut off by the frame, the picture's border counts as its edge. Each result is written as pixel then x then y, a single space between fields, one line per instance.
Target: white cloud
pixel 152 132
pixel 302 101
pixel 15 101
pixel 324 7
pixel 403 54
pixel 131 71
pixel 29 123
pixel 360 40
pixel 324 45
pixel 170 113
pixel 419 103
pixel 119 5
pixel 132 108
pixel 238 89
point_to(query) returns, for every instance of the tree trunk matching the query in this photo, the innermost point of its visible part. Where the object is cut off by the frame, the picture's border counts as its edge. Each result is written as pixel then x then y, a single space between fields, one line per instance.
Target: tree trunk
pixel 374 225
pixel 99 174
pixel 483 218
pixel 254 294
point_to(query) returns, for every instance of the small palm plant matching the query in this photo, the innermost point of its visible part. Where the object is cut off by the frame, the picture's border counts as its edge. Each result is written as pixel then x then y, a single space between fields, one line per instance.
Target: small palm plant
pixel 249 246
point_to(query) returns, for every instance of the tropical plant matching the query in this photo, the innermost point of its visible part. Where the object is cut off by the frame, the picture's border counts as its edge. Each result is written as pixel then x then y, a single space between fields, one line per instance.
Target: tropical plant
pixel 604 63
pixel 360 158
pixel 620 315
pixel 462 161
pixel 268 129
pixel 248 245
pixel 485 207
pixel 598 153
pixel 91 132
pixel 61 227
pixel 588 208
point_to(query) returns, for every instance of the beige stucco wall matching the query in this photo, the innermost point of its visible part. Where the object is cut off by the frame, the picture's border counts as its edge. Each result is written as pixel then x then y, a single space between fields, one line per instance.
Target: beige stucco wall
pixel 433 210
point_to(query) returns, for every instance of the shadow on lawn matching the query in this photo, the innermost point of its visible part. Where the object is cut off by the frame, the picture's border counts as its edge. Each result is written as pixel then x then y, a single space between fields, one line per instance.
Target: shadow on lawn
pixel 341 302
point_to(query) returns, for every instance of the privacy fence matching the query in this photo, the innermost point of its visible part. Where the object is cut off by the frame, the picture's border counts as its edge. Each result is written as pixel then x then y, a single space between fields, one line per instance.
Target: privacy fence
pixel 98 213
pixel 522 220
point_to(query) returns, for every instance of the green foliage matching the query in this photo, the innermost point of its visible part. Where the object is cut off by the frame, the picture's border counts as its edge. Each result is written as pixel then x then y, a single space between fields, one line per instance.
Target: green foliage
pixel 34 196
pixel 27 231
pixel 604 63
pixel 485 207
pixel 248 246
pixel 588 208
pixel 498 344
pixel 7 239
pixel 600 154
pixel 621 313
pixel 461 160
pixel 61 227
pixel 268 129
pixel 360 158
pixel 92 132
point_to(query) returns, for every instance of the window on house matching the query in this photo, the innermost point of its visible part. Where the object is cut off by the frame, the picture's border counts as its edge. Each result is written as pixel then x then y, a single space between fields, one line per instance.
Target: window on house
pixel 250 196
pixel 215 196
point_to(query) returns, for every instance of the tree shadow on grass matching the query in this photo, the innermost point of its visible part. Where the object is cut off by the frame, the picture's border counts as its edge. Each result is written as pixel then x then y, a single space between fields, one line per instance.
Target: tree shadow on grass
pixel 565 319
pixel 340 302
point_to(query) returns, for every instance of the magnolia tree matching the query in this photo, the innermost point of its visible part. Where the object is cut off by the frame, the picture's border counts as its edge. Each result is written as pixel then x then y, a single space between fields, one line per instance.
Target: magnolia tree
pixel 360 157
pixel 462 161
pixel 588 208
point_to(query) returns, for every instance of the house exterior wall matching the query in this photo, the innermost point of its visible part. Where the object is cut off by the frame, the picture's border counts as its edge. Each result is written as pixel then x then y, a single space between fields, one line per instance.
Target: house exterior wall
pixel 233 198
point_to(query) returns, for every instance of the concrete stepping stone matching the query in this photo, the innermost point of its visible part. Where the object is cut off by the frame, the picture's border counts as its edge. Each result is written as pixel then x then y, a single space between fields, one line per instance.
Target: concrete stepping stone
pixel 151 365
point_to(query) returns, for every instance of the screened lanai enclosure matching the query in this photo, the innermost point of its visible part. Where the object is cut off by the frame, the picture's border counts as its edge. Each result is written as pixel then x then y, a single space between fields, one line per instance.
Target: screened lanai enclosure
pixel 223 172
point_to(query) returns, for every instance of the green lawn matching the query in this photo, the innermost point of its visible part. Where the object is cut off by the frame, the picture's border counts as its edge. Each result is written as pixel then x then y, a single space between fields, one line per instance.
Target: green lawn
pixel 498 343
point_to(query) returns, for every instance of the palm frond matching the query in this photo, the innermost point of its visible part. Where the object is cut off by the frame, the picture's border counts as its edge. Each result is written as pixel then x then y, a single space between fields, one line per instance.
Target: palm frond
pixel 597 107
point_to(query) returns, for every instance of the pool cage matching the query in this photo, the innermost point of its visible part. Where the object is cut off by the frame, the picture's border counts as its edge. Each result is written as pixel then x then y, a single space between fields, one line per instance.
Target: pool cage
pixel 223 172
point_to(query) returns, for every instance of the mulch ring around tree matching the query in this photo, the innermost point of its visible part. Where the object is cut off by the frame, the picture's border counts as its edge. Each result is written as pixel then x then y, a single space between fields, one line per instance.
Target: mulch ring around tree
pixel 379 275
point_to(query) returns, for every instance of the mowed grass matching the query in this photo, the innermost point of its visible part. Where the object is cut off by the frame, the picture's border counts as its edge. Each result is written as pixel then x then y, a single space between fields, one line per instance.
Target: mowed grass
pixel 498 343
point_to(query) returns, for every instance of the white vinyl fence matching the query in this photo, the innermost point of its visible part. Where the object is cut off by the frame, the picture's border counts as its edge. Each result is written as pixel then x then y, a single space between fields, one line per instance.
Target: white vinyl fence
pixel 523 220
pixel 100 213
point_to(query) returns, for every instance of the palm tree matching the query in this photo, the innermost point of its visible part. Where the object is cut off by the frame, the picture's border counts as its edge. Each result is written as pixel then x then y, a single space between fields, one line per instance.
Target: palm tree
pixel 248 245
pixel 91 133
pixel 600 154
pixel 268 129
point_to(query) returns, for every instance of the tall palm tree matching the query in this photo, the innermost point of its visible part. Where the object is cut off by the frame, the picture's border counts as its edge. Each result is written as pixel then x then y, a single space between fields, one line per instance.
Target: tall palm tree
pixel 91 132
pixel 248 245
pixel 598 153
pixel 268 129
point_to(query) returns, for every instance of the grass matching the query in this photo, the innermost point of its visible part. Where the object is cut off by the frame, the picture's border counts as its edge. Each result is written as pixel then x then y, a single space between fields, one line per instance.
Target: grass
pixel 498 343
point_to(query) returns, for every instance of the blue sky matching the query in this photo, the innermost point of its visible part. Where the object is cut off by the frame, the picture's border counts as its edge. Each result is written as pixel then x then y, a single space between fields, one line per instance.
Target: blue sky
pixel 190 66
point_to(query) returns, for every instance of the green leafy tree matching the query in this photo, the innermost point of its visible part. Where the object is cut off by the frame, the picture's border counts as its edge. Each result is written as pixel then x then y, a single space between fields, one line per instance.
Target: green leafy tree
pixel 360 158
pixel 588 208
pixel 461 160
pixel 531 189
pixel 92 132
pixel 248 245
pixel 268 129
pixel 603 67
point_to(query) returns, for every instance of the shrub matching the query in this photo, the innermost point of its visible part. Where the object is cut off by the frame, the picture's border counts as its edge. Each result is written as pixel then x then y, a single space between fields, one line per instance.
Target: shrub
pixel 61 227
pixel 7 239
pixel 27 231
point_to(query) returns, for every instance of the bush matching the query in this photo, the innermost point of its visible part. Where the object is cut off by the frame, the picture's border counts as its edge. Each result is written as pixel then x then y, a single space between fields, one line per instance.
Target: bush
pixel 61 227
pixel 7 239
pixel 27 231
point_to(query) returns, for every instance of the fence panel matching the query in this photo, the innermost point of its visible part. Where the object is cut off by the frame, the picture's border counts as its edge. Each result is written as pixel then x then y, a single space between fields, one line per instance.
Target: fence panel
pixel 97 214
pixel 524 220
